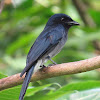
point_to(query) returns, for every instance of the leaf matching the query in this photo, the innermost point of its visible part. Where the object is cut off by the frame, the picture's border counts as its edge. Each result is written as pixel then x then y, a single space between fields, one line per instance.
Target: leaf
pixel 10 94
pixel 75 87
pixel 92 94
pixel 2 76
pixel 31 91
pixel 22 40
pixel 79 86
pixel 13 93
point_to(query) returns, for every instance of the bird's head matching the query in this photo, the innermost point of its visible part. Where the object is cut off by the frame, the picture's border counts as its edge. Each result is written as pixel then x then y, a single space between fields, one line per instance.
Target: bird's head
pixel 63 19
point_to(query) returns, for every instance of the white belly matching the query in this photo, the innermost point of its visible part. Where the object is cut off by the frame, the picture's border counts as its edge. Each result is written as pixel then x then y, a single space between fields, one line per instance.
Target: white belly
pixel 58 48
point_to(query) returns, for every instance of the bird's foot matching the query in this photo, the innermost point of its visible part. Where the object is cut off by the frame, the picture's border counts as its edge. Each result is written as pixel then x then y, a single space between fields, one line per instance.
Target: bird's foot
pixel 43 69
pixel 42 66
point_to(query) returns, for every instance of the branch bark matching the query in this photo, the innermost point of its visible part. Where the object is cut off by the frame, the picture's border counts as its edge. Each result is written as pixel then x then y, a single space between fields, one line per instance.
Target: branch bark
pixel 53 71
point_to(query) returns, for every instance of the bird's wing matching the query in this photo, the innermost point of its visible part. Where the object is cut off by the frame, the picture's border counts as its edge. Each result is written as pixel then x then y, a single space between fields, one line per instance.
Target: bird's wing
pixel 42 45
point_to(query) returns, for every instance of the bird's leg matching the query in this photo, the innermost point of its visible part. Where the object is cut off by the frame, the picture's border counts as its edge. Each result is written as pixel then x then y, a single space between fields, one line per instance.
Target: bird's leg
pixel 52 60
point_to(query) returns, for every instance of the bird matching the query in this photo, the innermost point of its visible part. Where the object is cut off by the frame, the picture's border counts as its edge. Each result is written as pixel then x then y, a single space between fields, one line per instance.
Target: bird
pixel 47 45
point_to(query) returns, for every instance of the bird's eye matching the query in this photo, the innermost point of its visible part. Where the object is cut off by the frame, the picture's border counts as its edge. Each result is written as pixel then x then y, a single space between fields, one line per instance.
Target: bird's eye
pixel 62 19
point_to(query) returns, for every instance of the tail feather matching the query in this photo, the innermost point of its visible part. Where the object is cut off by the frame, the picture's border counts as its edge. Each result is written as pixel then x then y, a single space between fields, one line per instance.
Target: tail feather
pixel 26 82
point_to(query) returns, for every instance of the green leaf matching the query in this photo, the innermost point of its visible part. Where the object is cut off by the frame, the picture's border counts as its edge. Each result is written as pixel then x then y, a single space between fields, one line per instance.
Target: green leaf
pixel 22 40
pixel 2 76
pixel 66 90
pixel 75 87
pixel 10 94
pixel 92 94
pixel 31 91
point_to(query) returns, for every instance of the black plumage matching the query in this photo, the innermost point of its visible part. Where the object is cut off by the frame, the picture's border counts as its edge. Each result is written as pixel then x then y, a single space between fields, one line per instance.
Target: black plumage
pixel 47 45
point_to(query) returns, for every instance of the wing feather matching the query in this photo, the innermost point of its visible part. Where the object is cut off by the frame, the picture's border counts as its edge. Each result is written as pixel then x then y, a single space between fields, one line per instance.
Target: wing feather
pixel 42 45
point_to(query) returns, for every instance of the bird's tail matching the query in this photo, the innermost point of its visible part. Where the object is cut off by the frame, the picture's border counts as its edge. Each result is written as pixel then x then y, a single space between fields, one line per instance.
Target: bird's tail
pixel 26 82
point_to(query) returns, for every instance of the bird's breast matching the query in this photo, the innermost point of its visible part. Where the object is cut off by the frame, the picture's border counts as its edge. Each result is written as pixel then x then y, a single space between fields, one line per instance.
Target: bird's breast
pixel 59 46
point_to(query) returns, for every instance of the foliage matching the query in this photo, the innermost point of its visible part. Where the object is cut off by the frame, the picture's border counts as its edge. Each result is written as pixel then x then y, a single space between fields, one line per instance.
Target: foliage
pixel 21 23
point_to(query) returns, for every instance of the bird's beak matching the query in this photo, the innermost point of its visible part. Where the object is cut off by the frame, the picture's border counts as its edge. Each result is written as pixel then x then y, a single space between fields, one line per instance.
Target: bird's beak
pixel 73 23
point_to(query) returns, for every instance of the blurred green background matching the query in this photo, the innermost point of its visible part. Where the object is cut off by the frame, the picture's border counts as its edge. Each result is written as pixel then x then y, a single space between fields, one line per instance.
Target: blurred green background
pixel 20 24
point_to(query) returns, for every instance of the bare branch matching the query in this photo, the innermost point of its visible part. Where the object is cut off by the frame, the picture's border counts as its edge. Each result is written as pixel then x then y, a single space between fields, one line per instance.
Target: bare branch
pixel 82 9
pixel 1 5
pixel 53 71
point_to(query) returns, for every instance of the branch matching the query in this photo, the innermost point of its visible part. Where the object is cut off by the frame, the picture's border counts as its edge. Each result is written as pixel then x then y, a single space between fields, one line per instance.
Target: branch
pixel 53 71
pixel 1 5
pixel 82 9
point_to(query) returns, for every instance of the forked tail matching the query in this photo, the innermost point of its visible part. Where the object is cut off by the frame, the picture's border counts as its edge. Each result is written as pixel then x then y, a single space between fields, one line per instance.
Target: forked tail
pixel 26 82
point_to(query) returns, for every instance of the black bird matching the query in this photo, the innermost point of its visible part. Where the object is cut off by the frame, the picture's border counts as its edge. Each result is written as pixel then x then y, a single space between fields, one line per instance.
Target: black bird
pixel 47 45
